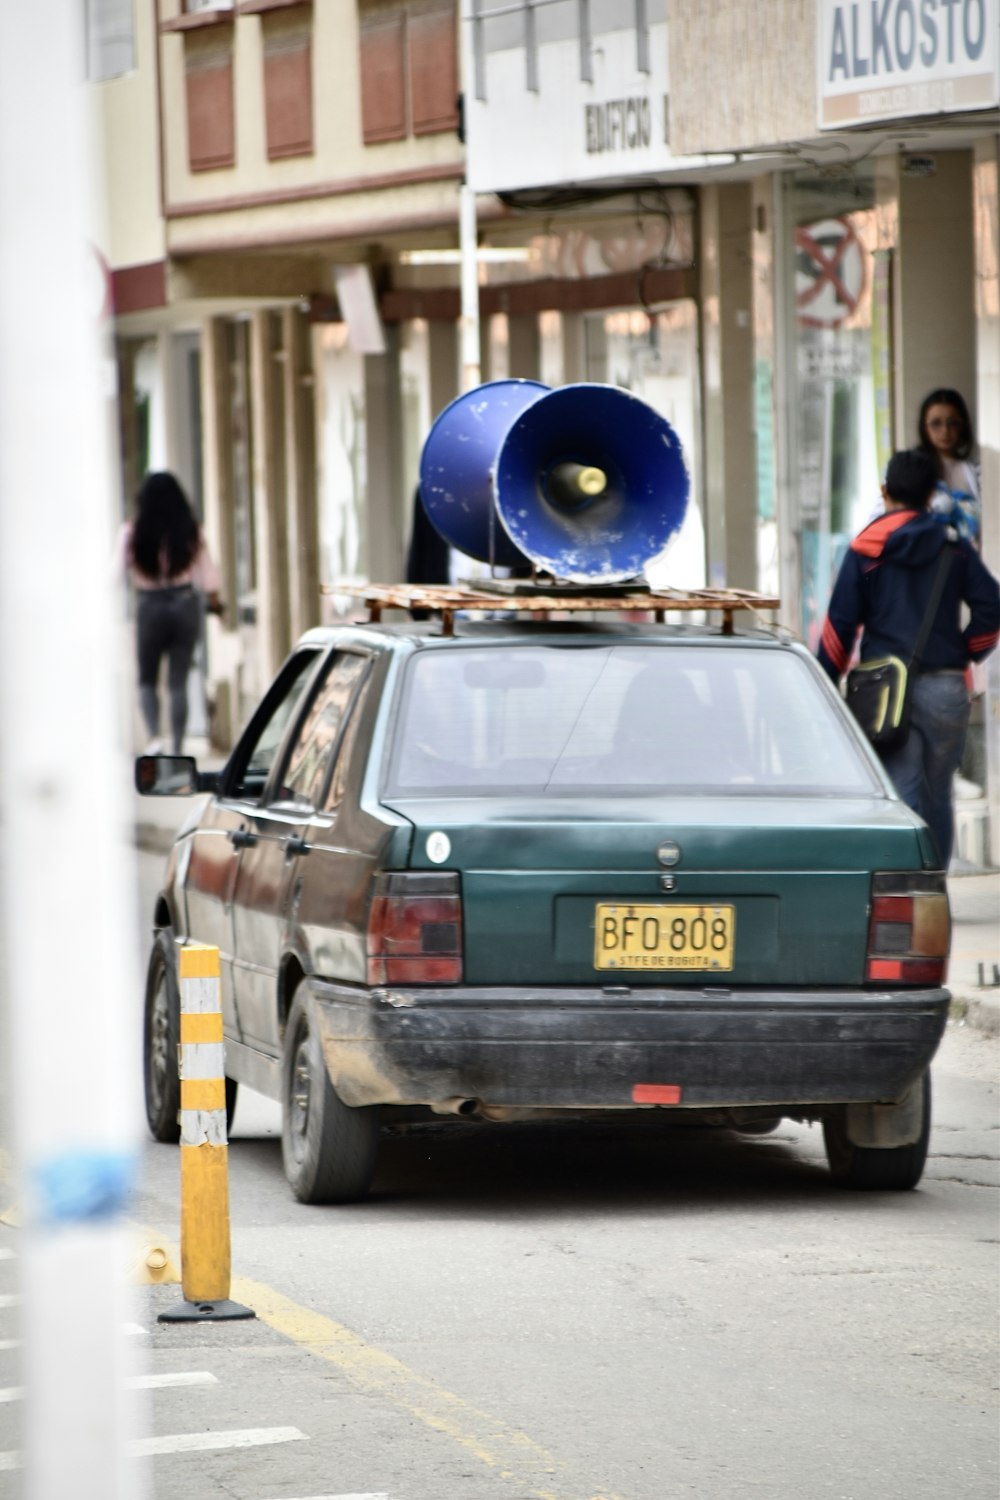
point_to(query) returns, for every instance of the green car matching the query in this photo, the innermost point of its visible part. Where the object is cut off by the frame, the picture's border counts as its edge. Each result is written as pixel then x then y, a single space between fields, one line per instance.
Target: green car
pixel 516 869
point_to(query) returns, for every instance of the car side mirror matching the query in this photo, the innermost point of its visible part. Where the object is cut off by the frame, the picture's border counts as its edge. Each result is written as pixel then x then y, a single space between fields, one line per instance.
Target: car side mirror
pixel 172 776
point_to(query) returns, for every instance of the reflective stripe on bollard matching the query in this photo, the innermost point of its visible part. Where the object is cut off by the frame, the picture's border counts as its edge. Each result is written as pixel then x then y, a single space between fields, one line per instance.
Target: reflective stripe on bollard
pixel 205 1239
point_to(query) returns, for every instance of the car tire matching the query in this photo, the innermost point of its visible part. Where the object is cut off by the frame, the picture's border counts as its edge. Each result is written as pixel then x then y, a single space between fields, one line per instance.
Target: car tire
pixel 161 1037
pixel 328 1148
pixel 161 1033
pixel 891 1169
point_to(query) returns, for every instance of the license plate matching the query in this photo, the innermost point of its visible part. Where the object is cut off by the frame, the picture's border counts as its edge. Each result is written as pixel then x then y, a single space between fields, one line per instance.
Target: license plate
pixel 664 937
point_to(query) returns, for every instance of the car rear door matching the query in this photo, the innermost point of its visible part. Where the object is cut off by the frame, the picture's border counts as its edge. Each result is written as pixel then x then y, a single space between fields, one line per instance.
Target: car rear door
pixel 281 833
pixel 224 832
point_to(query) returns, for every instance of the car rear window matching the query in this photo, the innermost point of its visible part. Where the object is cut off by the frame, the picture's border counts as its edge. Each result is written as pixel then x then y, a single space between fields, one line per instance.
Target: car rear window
pixel 551 719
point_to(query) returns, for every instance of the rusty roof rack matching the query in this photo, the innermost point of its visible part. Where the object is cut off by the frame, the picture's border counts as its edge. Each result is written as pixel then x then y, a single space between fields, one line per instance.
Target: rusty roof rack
pixel 447 600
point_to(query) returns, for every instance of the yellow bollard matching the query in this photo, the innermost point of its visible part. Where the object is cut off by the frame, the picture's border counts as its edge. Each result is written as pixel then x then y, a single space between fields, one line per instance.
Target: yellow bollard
pixel 205 1243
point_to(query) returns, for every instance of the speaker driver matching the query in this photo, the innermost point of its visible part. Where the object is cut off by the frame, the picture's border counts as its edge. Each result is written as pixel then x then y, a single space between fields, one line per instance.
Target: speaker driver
pixel 590 483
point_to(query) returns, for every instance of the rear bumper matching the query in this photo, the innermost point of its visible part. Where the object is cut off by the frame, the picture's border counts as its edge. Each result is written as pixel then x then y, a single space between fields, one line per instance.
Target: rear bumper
pixel 588 1048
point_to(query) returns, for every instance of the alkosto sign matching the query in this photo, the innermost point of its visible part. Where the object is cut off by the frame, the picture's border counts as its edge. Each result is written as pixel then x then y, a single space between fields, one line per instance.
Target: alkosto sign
pixel 893 59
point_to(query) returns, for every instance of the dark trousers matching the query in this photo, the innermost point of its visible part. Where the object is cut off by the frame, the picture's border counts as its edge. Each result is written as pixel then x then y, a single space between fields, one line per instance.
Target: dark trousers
pixel 167 625
pixel 923 769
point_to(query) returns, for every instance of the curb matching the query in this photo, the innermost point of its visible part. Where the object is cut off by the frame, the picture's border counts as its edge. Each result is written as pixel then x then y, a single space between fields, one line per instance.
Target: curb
pixel 977 1008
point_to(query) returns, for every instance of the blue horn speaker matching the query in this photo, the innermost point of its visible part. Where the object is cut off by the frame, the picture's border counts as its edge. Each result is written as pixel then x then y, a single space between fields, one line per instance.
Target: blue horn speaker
pixel 586 482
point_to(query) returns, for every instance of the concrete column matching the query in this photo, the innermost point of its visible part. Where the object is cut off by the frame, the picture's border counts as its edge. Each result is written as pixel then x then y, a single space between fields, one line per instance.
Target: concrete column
pixel 217 491
pixel 168 400
pixel 485 350
pixel 300 473
pixel 266 391
pixel 727 383
pixel 443 340
pixel 129 458
pixel 574 347
pixel 986 205
pixel 217 454
pixel 986 181
pixel 386 544
pixel 525 347
pixel 786 454
pixel 935 288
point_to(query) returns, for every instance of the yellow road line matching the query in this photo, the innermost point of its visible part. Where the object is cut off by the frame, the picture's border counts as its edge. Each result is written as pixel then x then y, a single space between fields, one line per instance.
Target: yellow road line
pixel 516 1456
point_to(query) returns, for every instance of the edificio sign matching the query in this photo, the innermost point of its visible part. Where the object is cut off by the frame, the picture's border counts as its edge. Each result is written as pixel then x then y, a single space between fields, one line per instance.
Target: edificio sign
pixel 892 59
pixel 618 124
pixel 567 128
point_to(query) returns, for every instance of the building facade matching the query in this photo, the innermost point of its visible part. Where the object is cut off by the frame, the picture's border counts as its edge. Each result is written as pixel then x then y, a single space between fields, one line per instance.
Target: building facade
pixel 867 140
pixel 777 223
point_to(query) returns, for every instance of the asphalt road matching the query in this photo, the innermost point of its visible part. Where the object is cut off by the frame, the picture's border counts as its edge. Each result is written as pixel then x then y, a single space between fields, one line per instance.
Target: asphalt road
pixel 569 1313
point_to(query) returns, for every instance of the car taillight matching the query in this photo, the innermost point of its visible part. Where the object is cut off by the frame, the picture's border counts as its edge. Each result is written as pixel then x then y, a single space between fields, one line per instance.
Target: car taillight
pixel 415 928
pixel 909 932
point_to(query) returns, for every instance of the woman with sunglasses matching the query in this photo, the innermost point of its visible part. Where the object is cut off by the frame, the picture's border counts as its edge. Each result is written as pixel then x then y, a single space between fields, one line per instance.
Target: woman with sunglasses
pixel 944 431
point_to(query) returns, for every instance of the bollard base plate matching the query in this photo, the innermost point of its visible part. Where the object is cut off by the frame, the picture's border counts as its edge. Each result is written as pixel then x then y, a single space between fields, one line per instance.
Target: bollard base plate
pixel 205 1312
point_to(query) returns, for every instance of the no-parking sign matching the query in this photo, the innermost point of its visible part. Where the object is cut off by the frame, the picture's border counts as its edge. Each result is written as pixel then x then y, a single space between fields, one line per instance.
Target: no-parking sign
pixel 830 271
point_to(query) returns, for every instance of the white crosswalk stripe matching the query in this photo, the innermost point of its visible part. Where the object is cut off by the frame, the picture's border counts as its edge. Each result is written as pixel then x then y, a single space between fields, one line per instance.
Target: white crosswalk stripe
pixel 6 1254
pixel 202 1442
pixel 137 1383
pixel 172 1378
pixel 189 1442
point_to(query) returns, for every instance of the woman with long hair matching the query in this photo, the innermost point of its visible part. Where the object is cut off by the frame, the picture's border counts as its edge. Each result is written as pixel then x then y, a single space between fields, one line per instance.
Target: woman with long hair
pixel 944 431
pixel 168 561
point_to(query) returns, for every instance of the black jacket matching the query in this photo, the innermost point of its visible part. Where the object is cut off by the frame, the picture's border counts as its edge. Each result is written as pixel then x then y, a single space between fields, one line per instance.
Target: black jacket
pixel 884 585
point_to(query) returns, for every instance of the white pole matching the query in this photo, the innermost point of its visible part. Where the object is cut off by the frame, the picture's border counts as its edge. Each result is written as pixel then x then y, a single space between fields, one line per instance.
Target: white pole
pixel 467 240
pixel 67 902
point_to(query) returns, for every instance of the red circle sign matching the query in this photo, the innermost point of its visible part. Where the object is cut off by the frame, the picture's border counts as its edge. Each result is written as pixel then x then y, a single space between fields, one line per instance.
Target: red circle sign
pixel 829 272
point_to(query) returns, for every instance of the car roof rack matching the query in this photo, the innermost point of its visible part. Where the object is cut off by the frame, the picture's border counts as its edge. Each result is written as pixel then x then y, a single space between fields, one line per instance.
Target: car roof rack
pixel 514 597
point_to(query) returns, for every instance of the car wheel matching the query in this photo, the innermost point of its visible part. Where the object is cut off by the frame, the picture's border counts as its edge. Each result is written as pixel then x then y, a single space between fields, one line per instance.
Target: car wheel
pixel 328 1148
pixel 161 1032
pixel 893 1168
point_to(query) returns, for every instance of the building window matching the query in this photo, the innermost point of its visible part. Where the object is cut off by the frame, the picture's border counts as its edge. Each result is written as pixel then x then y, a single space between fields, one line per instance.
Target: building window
pixel 841 383
pixel 383 76
pixel 409 69
pixel 433 70
pixel 288 107
pixel 208 70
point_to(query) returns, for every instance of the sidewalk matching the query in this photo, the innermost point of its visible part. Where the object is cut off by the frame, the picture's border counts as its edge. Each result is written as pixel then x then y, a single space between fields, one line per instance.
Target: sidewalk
pixel 975 905
pixel 975 941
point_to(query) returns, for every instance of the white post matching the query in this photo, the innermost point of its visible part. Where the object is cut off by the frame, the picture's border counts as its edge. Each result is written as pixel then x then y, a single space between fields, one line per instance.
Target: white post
pixel 471 375
pixel 67 900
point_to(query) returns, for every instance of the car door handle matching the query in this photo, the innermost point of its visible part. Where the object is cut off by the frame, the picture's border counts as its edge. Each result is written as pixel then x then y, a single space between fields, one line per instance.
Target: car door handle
pixel 295 845
pixel 241 838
